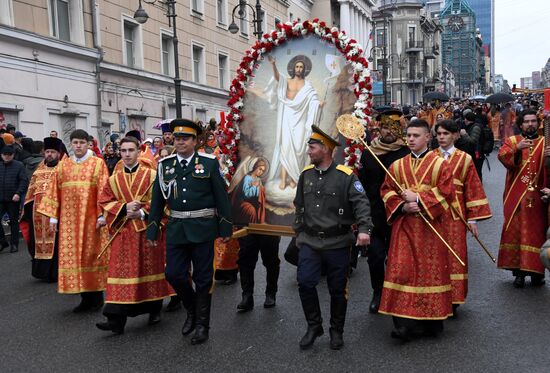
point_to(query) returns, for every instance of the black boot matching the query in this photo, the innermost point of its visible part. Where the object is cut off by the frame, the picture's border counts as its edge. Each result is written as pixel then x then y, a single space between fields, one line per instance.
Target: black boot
pixel 338 307
pixel 247 284
pixel 204 302
pixel 537 280
pixel 271 288
pixel 247 303
pixel 375 302
pixel 114 324
pixel 14 249
pixel 270 300
pixel 312 312
pixel 519 282
pixel 190 304
pixel 154 318
pixel 3 243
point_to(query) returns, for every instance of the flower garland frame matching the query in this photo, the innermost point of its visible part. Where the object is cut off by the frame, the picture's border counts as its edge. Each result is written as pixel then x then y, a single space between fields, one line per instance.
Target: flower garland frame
pixel 230 132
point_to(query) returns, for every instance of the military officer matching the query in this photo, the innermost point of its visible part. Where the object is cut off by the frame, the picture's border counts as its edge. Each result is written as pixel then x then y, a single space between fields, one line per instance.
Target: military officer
pixel 329 199
pixel 191 185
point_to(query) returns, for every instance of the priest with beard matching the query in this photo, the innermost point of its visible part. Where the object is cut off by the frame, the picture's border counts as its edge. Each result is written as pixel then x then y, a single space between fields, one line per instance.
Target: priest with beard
pixel 42 243
pixel 388 147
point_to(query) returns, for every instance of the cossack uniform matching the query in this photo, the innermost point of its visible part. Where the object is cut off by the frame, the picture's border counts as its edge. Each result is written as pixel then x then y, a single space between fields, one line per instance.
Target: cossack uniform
pixel 328 201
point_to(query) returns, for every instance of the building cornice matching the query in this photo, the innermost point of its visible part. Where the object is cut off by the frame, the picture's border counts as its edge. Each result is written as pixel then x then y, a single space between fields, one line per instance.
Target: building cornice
pixel 15 35
pixel 159 78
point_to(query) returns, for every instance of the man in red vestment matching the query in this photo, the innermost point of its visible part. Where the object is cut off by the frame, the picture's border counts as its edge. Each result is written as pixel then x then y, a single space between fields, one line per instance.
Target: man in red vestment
pixel 72 201
pixel 136 284
pixel 470 202
pixel 525 217
pixel 417 284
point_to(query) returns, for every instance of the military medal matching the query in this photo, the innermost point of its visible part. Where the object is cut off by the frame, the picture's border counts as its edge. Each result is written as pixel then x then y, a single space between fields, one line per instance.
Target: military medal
pixel 199 168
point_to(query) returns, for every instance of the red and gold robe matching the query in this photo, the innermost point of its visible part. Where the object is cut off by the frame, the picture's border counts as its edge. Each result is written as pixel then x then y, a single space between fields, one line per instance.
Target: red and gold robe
pixel 435 112
pixel 41 181
pixel 525 218
pixel 494 123
pixel 417 282
pixel 73 200
pixel 472 204
pixel 136 272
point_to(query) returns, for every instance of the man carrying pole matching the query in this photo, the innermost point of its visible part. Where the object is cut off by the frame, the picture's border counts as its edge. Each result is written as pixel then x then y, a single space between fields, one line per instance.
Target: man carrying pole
pixel 417 286
pixel 470 203
pixel 136 284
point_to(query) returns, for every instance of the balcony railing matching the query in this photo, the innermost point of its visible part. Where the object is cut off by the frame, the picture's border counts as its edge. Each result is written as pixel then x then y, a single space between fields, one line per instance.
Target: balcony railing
pixel 414 46
pixel 414 77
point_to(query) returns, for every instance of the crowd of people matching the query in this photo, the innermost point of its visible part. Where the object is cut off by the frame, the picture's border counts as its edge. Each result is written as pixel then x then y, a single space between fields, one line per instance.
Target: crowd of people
pixel 143 220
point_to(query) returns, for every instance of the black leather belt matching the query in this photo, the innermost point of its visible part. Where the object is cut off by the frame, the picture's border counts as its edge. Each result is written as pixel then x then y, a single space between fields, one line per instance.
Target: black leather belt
pixel 327 233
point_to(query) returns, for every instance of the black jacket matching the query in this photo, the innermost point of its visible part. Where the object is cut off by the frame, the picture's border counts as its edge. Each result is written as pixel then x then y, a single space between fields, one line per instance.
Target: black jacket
pixel 13 180
pixel 372 177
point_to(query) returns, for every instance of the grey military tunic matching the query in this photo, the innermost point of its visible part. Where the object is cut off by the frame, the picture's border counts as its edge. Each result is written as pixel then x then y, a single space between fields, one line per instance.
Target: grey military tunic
pixel 327 204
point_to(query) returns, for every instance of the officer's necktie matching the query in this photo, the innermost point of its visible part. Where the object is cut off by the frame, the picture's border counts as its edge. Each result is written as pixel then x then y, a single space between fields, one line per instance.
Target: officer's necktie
pixel 184 163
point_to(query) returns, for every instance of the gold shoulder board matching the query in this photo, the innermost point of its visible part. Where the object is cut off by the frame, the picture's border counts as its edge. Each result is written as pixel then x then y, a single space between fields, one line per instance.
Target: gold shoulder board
pixel 308 167
pixel 344 169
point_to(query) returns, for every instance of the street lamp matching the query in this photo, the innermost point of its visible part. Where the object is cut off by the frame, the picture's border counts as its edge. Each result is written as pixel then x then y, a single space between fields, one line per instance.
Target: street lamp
pixel 401 61
pixel 257 17
pixel 141 16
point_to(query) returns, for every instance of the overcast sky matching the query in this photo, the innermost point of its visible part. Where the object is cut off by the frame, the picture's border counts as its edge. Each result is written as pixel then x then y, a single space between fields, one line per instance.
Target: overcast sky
pixel 522 37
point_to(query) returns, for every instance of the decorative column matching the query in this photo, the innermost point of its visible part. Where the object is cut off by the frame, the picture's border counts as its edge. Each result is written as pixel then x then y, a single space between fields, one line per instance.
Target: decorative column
pixel 345 20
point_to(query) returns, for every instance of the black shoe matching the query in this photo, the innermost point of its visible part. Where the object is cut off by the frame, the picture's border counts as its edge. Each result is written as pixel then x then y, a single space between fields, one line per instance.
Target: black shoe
pixel 336 339
pixel 109 326
pixel 174 304
pixel 375 302
pixel 519 282
pixel 3 244
pixel 537 280
pixel 201 335
pixel 401 333
pixel 154 318
pixel 247 303
pixel 14 249
pixel 311 335
pixel 269 301
pixel 189 324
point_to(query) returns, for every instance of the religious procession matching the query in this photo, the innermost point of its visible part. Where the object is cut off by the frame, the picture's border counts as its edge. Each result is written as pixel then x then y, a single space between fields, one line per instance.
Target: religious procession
pixel 153 220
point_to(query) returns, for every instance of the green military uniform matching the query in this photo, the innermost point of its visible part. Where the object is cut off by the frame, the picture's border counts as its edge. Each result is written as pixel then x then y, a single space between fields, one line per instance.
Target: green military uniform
pixel 199 211
pixel 199 186
pixel 328 201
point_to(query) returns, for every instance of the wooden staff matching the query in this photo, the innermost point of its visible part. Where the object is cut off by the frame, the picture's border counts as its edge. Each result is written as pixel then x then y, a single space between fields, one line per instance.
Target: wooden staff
pixel 350 128
pixel 470 230
pixel 123 223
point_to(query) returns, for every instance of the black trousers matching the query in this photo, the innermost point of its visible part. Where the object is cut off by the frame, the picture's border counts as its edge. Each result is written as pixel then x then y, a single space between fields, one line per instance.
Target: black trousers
pixel 376 257
pixel 309 271
pixel 179 259
pixel 268 248
pixel 12 209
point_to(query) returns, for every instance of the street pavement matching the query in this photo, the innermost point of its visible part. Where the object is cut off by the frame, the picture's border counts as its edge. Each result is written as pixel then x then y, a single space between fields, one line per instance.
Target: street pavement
pixel 499 329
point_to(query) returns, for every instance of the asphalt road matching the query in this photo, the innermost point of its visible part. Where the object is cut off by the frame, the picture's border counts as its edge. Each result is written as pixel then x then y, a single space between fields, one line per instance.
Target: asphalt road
pixel 499 329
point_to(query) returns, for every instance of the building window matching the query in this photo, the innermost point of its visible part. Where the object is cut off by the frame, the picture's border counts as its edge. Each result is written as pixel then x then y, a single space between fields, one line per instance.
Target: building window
pixel 222 12
pixel 200 115
pixel 244 24
pixel 380 37
pixel 197 6
pixel 59 13
pixel 198 64
pixel 263 15
pixel 129 44
pixel 277 21
pixel 223 71
pixel 6 13
pixel 412 36
pixel 167 54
